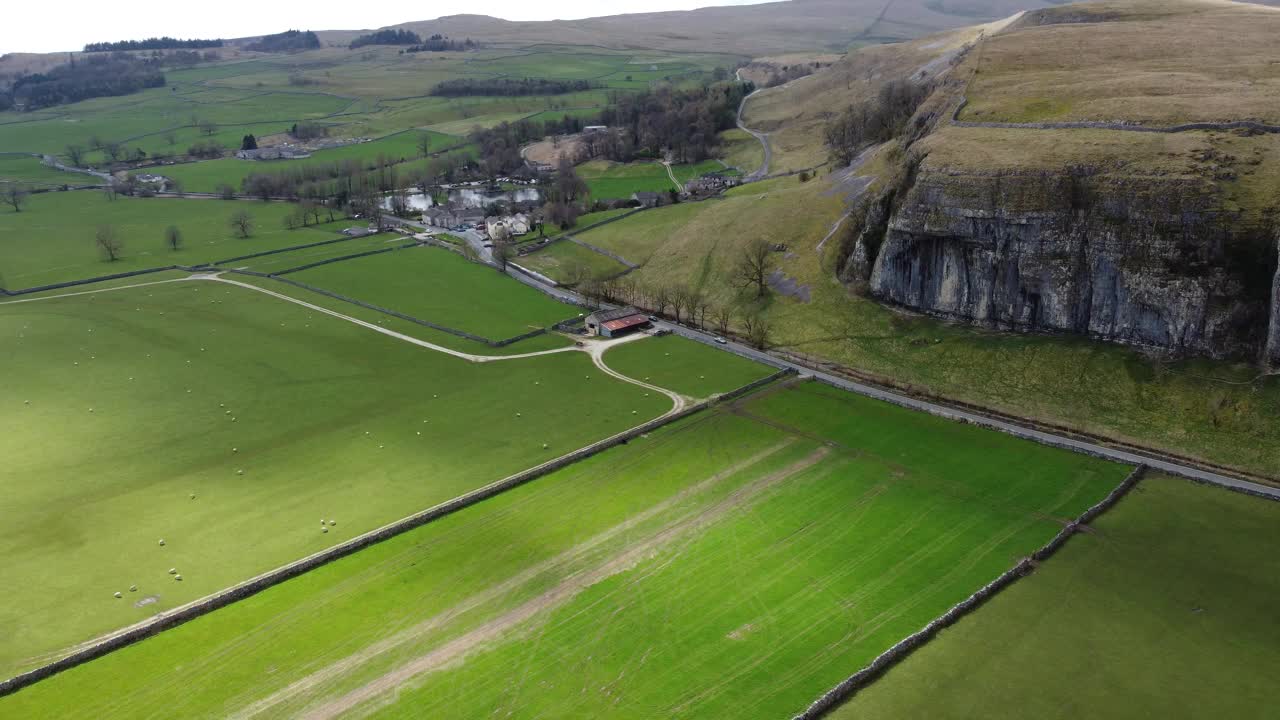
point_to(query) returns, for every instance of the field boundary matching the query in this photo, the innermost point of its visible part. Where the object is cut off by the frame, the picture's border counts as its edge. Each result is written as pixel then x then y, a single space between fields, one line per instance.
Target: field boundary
pixel 165 621
pixel 92 280
pixel 388 311
pixel 340 258
pixel 1112 125
pixel 530 248
pixel 900 650
pixel 277 251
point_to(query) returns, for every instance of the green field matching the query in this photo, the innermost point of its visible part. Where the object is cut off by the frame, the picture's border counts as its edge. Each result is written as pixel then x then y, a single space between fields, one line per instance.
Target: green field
pixel 208 175
pixel 121 405
pixel 688 367
pixel 610 180
pixel 563 261
pixel 53 239
pixel 1166 610
pixel 440 286
pixel 30 172
pixel 295 258
pixel 721 567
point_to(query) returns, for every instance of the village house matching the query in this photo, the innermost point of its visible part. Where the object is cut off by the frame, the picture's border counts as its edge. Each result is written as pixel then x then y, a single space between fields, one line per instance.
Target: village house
pixel 282 152
pixel 647 198
pixel 507 226
pixel 709 184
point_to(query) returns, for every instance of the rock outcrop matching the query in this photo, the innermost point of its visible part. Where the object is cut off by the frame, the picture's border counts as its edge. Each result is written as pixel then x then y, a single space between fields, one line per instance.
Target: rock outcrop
pixel 1145 261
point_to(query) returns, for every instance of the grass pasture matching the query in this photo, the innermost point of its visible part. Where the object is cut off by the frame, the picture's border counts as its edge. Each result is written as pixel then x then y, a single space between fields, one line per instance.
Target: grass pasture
pixel 1164 611
pixel 705 570
pixel 28 171
pixel 562 261
pixel 613 181
pixel 121 405
pixel 53 239
pixel 686 366
pixel 440 286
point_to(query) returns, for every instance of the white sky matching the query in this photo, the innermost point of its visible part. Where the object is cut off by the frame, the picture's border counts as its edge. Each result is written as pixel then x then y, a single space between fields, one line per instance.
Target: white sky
pixel 59 25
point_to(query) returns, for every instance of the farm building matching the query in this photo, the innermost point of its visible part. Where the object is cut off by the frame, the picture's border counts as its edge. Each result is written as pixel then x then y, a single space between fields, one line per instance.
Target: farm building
pixel 615 323
pixel 647 198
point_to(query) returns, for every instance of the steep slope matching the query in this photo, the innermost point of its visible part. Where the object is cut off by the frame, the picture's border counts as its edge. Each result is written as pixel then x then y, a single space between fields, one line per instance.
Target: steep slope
pixel 1112 171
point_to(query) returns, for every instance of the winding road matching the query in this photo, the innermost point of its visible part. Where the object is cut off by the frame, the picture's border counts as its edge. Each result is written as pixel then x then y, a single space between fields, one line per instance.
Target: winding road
pixel 761 136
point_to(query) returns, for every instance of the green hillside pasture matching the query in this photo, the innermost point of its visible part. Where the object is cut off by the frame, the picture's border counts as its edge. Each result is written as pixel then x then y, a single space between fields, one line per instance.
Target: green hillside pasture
pixel 53 239
pixel 206 176
pixel 720 567
pixel 305 255
pixel 441 286
pixel 1165 611
pixel 153 112
pixel 564 261
pixel 139 399
pixel 740 149
pixel 637 237
pixel 30 172
pixel 688 367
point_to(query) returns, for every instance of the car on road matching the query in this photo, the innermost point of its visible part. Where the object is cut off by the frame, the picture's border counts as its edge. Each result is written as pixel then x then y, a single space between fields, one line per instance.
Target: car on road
pixel 653 318
pixel 720 340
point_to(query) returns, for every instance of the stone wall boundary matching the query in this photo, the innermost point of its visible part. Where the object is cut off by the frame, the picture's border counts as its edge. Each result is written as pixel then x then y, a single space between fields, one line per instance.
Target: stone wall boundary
pixel 291 248
pixel 178 616
pixel 352 256
pixel 87 281
pixel 899 651
pixel 1111 125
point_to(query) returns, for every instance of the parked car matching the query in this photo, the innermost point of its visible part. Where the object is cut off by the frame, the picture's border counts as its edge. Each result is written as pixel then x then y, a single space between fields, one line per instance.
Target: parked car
pixel 721 340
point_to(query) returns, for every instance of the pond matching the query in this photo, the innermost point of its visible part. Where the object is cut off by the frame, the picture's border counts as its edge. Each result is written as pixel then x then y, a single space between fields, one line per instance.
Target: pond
pixel 471 198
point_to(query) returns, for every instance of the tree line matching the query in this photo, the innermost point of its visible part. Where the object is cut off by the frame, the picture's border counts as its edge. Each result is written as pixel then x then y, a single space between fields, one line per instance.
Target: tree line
pixel 286 41
pixel 442 43
pixel 509 87
pixel 686 122
pixel 90 77
pixel 160 43
pixel 875 120
pixel 387 37
pixel 500 145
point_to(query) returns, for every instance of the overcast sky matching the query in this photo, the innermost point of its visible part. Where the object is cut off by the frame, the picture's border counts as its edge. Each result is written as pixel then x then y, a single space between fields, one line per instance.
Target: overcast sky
pixel 53 25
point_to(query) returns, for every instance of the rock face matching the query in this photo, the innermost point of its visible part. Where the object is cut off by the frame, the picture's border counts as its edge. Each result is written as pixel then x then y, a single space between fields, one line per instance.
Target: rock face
pixel 1142 261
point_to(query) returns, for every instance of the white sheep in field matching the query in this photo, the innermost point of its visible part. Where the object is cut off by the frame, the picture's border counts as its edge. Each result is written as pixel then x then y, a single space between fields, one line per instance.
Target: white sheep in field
pixel 161 542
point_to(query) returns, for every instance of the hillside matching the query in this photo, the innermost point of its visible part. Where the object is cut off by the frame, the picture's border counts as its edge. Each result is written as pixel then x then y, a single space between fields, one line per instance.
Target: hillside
pixel 1159 242
pixel 752 30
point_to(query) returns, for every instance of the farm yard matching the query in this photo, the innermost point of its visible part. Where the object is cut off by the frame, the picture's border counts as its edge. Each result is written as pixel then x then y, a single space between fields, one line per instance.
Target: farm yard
pixel 727 548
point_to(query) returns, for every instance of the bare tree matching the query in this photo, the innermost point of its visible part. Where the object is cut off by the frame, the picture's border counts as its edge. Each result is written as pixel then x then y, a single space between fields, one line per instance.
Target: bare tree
pixel 109 242
pixel 208 127
pixel 109 190
pixel 95 143
pixel 722 316
pixel 16 196
pixel 226 192
pixel 242 223
pixel 75 155
pixel 173 237
pixel 171 137
pixel 661 298
pixel 424 144
pixel 754 266
pixel 757 328
pixel 502 253
pixel 113 151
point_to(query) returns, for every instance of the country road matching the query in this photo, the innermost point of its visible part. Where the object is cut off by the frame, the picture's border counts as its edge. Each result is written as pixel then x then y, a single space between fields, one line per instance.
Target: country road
pixel 762 137
pixel 1132 457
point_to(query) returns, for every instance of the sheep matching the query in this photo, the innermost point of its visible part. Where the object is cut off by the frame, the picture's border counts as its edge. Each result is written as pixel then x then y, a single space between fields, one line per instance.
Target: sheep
pixel 161 542
pixel 133 588
pixel 324 529
pixel 119 595
pixel 333 522
pixel 178 578
pixel 173 571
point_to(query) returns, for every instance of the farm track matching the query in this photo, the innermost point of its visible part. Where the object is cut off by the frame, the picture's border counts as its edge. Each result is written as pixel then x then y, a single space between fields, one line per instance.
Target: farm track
pixel 563 592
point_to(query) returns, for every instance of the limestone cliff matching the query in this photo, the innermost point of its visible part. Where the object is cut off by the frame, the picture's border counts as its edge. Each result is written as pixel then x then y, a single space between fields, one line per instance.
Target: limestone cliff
pixel 1143 261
